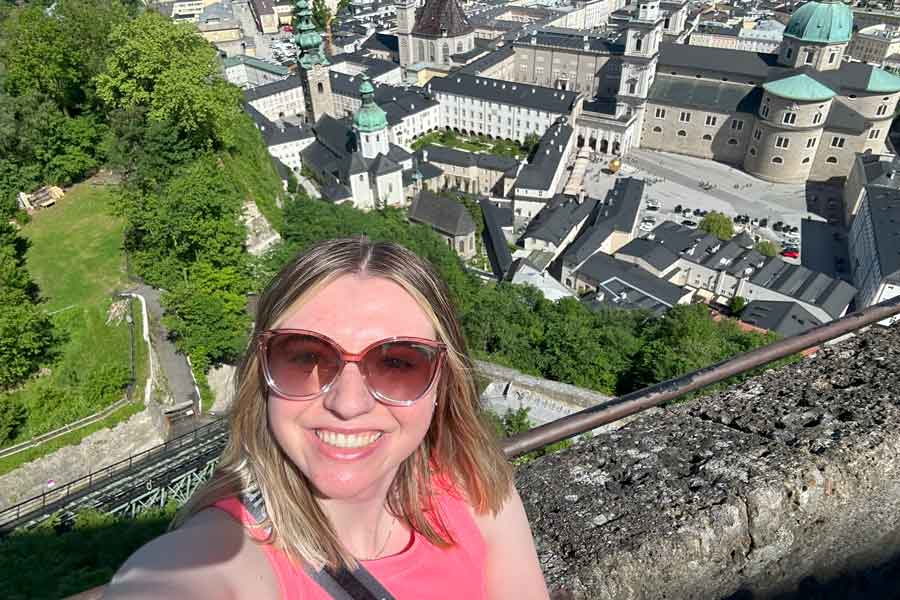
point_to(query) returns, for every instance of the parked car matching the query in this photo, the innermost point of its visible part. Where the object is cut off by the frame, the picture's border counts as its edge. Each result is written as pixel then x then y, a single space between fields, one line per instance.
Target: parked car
pixel 689 224
pixel 646 226
pixel 763 222
pixel 777 226
pixel 790 253
pixel 678 208
pixel 652 208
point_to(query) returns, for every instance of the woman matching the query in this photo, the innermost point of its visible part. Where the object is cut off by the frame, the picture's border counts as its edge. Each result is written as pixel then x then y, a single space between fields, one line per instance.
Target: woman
pixel 357 462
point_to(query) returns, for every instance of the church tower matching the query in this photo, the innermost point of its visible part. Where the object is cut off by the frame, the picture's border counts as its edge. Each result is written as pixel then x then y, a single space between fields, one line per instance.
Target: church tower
pixel 642 39
pixel 370 123
pixel 406 19
pixel 313 65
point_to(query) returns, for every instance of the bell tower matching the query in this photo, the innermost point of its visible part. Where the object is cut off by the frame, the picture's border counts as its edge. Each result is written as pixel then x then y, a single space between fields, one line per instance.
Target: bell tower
pixel 313 65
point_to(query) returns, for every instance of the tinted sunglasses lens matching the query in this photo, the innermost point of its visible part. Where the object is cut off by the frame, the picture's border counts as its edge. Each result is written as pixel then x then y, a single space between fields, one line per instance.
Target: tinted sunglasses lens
pixel 301 365
pixel 400 371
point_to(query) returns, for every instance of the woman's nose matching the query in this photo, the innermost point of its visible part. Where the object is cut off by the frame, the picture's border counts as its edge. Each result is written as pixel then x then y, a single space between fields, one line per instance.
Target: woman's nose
pixel 349 397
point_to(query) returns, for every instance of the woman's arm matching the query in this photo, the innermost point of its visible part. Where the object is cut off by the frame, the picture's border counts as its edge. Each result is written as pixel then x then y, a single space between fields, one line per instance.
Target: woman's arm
pixel 513 571
pixel 210 556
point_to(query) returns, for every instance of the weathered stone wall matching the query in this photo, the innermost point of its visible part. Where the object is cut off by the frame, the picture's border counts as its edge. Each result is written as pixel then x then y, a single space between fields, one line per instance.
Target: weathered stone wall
pixel 773 488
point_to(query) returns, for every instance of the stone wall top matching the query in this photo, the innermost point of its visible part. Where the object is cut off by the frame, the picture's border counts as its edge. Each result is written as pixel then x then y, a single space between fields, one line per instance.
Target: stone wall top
pixel 779 484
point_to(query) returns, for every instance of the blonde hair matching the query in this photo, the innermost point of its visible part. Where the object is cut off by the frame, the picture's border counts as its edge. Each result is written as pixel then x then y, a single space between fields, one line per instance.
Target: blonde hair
pixel 459 445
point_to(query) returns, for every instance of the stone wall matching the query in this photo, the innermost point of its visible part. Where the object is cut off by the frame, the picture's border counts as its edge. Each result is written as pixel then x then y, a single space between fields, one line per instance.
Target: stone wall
pixel 786 486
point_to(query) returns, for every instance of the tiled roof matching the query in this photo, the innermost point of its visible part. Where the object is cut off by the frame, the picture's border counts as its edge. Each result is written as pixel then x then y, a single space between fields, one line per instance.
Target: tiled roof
pixel 504 92
pixel 704 93
pixel 461 158
pixel 384 42
pixel 442 213
pixel 556 220
pixel 655 254
pixel 724 61
pixel 884 206
pixel 799 87
pixel 441 17
pixel 618 212
pixel 784 318
pixel 270 89
pixel 538 173
pixel 626 283
pixel 495 242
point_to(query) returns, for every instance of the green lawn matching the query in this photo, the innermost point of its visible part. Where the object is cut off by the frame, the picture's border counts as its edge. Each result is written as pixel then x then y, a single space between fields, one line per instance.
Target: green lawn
pixel 478 143
pixel 76 254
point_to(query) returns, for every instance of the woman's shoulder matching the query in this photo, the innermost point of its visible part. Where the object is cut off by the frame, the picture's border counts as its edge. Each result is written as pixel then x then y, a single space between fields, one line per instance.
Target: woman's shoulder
pixel 210 556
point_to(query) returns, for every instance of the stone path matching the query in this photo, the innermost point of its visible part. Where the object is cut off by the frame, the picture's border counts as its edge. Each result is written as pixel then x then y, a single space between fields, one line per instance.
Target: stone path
pixel 96 451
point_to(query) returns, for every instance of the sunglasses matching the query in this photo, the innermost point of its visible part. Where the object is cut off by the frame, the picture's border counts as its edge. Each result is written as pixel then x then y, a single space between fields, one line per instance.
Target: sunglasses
pixel 300 365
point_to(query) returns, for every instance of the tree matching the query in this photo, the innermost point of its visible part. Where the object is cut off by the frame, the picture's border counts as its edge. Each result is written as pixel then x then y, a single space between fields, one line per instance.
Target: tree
pixel 718 224
pixel 13 415
pixel 173 72
pixel 531 143
pixel 737 304
pixel 767 248
pixel 26 337
pixel 321 14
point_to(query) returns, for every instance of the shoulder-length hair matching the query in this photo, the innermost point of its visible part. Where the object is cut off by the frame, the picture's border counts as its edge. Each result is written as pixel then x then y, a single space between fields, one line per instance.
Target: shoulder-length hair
pixel 459 447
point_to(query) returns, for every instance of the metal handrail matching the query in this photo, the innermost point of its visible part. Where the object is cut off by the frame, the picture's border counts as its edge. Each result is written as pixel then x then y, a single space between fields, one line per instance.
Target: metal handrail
pixel 42 500
pixel 640 400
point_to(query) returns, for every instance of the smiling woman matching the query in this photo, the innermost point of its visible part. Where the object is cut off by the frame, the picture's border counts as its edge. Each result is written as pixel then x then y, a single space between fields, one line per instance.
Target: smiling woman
pixel 358 465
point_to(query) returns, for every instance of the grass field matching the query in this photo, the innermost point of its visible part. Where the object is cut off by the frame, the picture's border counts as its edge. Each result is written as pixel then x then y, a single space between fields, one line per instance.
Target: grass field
pixel 76 254
pixel 77 260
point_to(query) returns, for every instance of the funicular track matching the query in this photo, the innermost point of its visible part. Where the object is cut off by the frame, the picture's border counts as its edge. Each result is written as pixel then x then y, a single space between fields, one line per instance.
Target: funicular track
pixel 171 470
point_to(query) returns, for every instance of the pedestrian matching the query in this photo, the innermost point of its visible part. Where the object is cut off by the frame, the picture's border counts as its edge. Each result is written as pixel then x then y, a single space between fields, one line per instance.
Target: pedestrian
pixel 357 464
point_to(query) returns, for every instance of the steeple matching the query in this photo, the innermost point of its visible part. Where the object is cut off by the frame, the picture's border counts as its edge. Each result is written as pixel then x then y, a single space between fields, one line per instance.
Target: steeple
pixel 308 40
pixel 370 123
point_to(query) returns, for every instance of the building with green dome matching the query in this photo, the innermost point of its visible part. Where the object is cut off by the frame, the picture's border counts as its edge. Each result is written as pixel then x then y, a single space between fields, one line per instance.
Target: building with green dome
pixel 817 35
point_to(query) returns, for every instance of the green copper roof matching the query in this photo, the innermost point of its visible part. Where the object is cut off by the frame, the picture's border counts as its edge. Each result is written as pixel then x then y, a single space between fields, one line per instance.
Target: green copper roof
pixel 308 40
pixel 799 87
pixel 881 81
pixel 829 22
pixel 370 117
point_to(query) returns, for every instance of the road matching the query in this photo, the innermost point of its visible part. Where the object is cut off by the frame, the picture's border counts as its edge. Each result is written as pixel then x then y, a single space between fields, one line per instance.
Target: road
pixel 173 364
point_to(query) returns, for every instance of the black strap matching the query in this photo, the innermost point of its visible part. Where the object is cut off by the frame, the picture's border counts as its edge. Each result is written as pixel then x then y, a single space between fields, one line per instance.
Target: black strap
pixel 341 583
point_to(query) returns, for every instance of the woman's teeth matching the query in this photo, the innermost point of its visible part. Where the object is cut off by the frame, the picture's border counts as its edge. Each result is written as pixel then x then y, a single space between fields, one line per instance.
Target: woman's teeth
pixel 341 440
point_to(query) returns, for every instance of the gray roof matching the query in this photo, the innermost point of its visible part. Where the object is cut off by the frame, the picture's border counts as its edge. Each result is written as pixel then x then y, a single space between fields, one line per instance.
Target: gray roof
pixel 441 17
pixel 704 93
pixel 884 206
pixel 487 61
pixel 744 240
pixel 504 92
pixel 707 61
pixel 617 212
pixel 283 133
pixel 554 222
pixel 655 254
pixel 382 165
pixel 692 244
pixel 336 192
pixel 270 89
pixel 446 215
pixel 576 39
pixel 464 57
pixel 495 242
pixel 812 287
pixel 641 288
pixel 462 158
pixel 784 318
pixel 384 42
pixel 373 67
pixel 538 173
pixel 843 118
pixel 397 102
pixel 880 170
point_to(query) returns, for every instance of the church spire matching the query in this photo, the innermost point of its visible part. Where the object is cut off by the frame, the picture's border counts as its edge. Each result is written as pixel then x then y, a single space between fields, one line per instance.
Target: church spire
pixel 308 40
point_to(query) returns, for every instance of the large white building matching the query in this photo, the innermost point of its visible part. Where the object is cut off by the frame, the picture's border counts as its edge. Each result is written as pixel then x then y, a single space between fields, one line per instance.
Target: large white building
pixel 874 244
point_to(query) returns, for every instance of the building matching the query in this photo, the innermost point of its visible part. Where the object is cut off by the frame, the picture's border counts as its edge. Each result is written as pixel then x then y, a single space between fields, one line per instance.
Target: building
pixel 382 45
pixel 249 72
pixel 880 170
pixel 540 179
pixel 719 271
pixel 764 36
pixel 555 227
pixel 448 218
pixel 498 231
pixel 499 109
pixel 355 162
pixel 479 174
pixel 784 318
pixel 875 44
pixel 284 141
pixel 378 70
pixel 312 66
pixel 429 34
pixel 874 244
pixel 279 99
pixel 522 272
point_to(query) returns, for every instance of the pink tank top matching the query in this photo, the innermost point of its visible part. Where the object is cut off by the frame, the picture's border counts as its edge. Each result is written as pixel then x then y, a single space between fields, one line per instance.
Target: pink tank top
pixel 421 572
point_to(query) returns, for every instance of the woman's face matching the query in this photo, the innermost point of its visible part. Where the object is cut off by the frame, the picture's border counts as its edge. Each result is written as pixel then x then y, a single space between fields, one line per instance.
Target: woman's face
pixel 354 311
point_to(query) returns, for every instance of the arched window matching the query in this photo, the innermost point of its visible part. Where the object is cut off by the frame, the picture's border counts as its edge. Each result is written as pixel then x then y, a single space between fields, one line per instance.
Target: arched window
pixel 320 88
pixel 707 137
pixel 817 118
pixel 777 160
pixel 432 52
pixel 732 142
pixel 752 151
pixel 805 160
pixel 832 160
pixel 881 110
pixel 638 44
pixel 459 47
pixel 657 130
pixel 420 50
pixel 682 133
pixel 446 55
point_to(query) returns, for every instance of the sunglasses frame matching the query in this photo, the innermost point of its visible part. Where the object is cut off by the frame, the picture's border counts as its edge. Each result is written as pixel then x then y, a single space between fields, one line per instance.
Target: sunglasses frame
pixel 344 357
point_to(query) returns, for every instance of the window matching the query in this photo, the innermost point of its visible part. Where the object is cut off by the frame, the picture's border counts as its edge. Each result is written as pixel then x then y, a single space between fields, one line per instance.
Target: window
pixel 789 53
pixel 668 23
pixel 789 118
pixel 657 130
pixel 832 160
pixel 757 134
pixel 808 57
pixel 777 160
pixel 682 133
pixel 811 142
pixel 319 87
pixel 881 110
pixel 660 113
pixel 752 151
pixel 632 87
pixel 873 135
pixel 685 117
pixel 831 57
pixel 638 44
pixel 764 111
pixel 711 121
pixel 817 118
pixel 837 142
pixel 707 137
pixel 805 160
pixel 737 124
pixel 732 142
pixel 781 142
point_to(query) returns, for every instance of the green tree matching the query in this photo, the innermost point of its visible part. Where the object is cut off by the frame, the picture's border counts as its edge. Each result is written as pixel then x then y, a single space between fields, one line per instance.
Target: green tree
pixel 26 337
pixel 321 14
pixel 767 248
pixel 718 224
pixel 530 143
pixel 173 72
pixel 737 304
pixel 13 415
